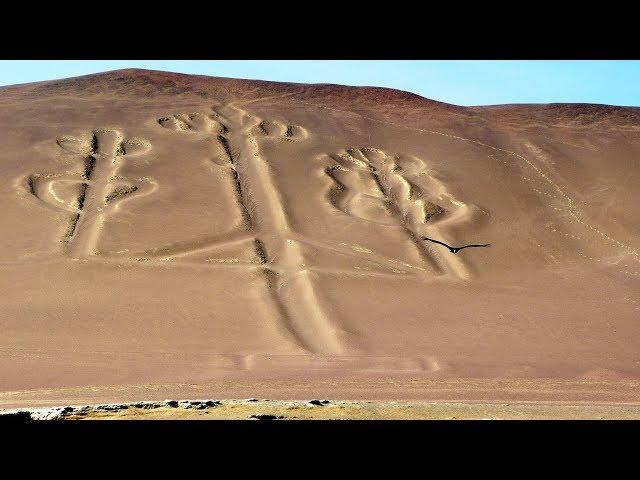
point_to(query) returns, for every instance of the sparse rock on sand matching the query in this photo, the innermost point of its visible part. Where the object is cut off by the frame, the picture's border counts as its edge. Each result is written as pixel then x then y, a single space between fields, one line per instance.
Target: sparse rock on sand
pixel 293 410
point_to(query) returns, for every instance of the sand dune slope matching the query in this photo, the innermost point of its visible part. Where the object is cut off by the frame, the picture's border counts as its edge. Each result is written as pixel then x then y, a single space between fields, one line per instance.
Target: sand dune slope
pixel 242 236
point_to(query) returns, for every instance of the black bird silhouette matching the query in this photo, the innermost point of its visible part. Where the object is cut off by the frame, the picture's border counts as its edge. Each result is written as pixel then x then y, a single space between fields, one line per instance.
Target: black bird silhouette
pixel 455 249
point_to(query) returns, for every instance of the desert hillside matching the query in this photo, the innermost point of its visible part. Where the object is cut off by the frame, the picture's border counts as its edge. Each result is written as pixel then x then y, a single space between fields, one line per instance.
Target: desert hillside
pixel 168 233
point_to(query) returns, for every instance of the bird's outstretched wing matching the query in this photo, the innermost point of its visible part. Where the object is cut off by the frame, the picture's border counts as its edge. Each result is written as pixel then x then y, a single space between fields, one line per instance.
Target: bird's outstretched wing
pixel 437 241
pixel 475 245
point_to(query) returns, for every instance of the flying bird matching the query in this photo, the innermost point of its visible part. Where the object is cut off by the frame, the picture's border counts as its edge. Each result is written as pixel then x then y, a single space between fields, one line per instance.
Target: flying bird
pixel 455 249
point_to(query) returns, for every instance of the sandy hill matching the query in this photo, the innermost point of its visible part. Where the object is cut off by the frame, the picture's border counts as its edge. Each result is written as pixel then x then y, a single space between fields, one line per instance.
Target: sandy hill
pixel 169 233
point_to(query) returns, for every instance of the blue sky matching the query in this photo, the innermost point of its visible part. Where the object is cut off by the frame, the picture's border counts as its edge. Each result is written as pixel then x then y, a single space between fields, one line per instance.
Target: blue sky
pixel 476 82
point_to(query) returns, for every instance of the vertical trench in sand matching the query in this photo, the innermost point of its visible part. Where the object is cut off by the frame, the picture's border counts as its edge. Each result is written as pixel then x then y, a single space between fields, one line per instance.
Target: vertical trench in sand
pixel 85 227
pixel 425 253
pixel 297 306
pixel 439 264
